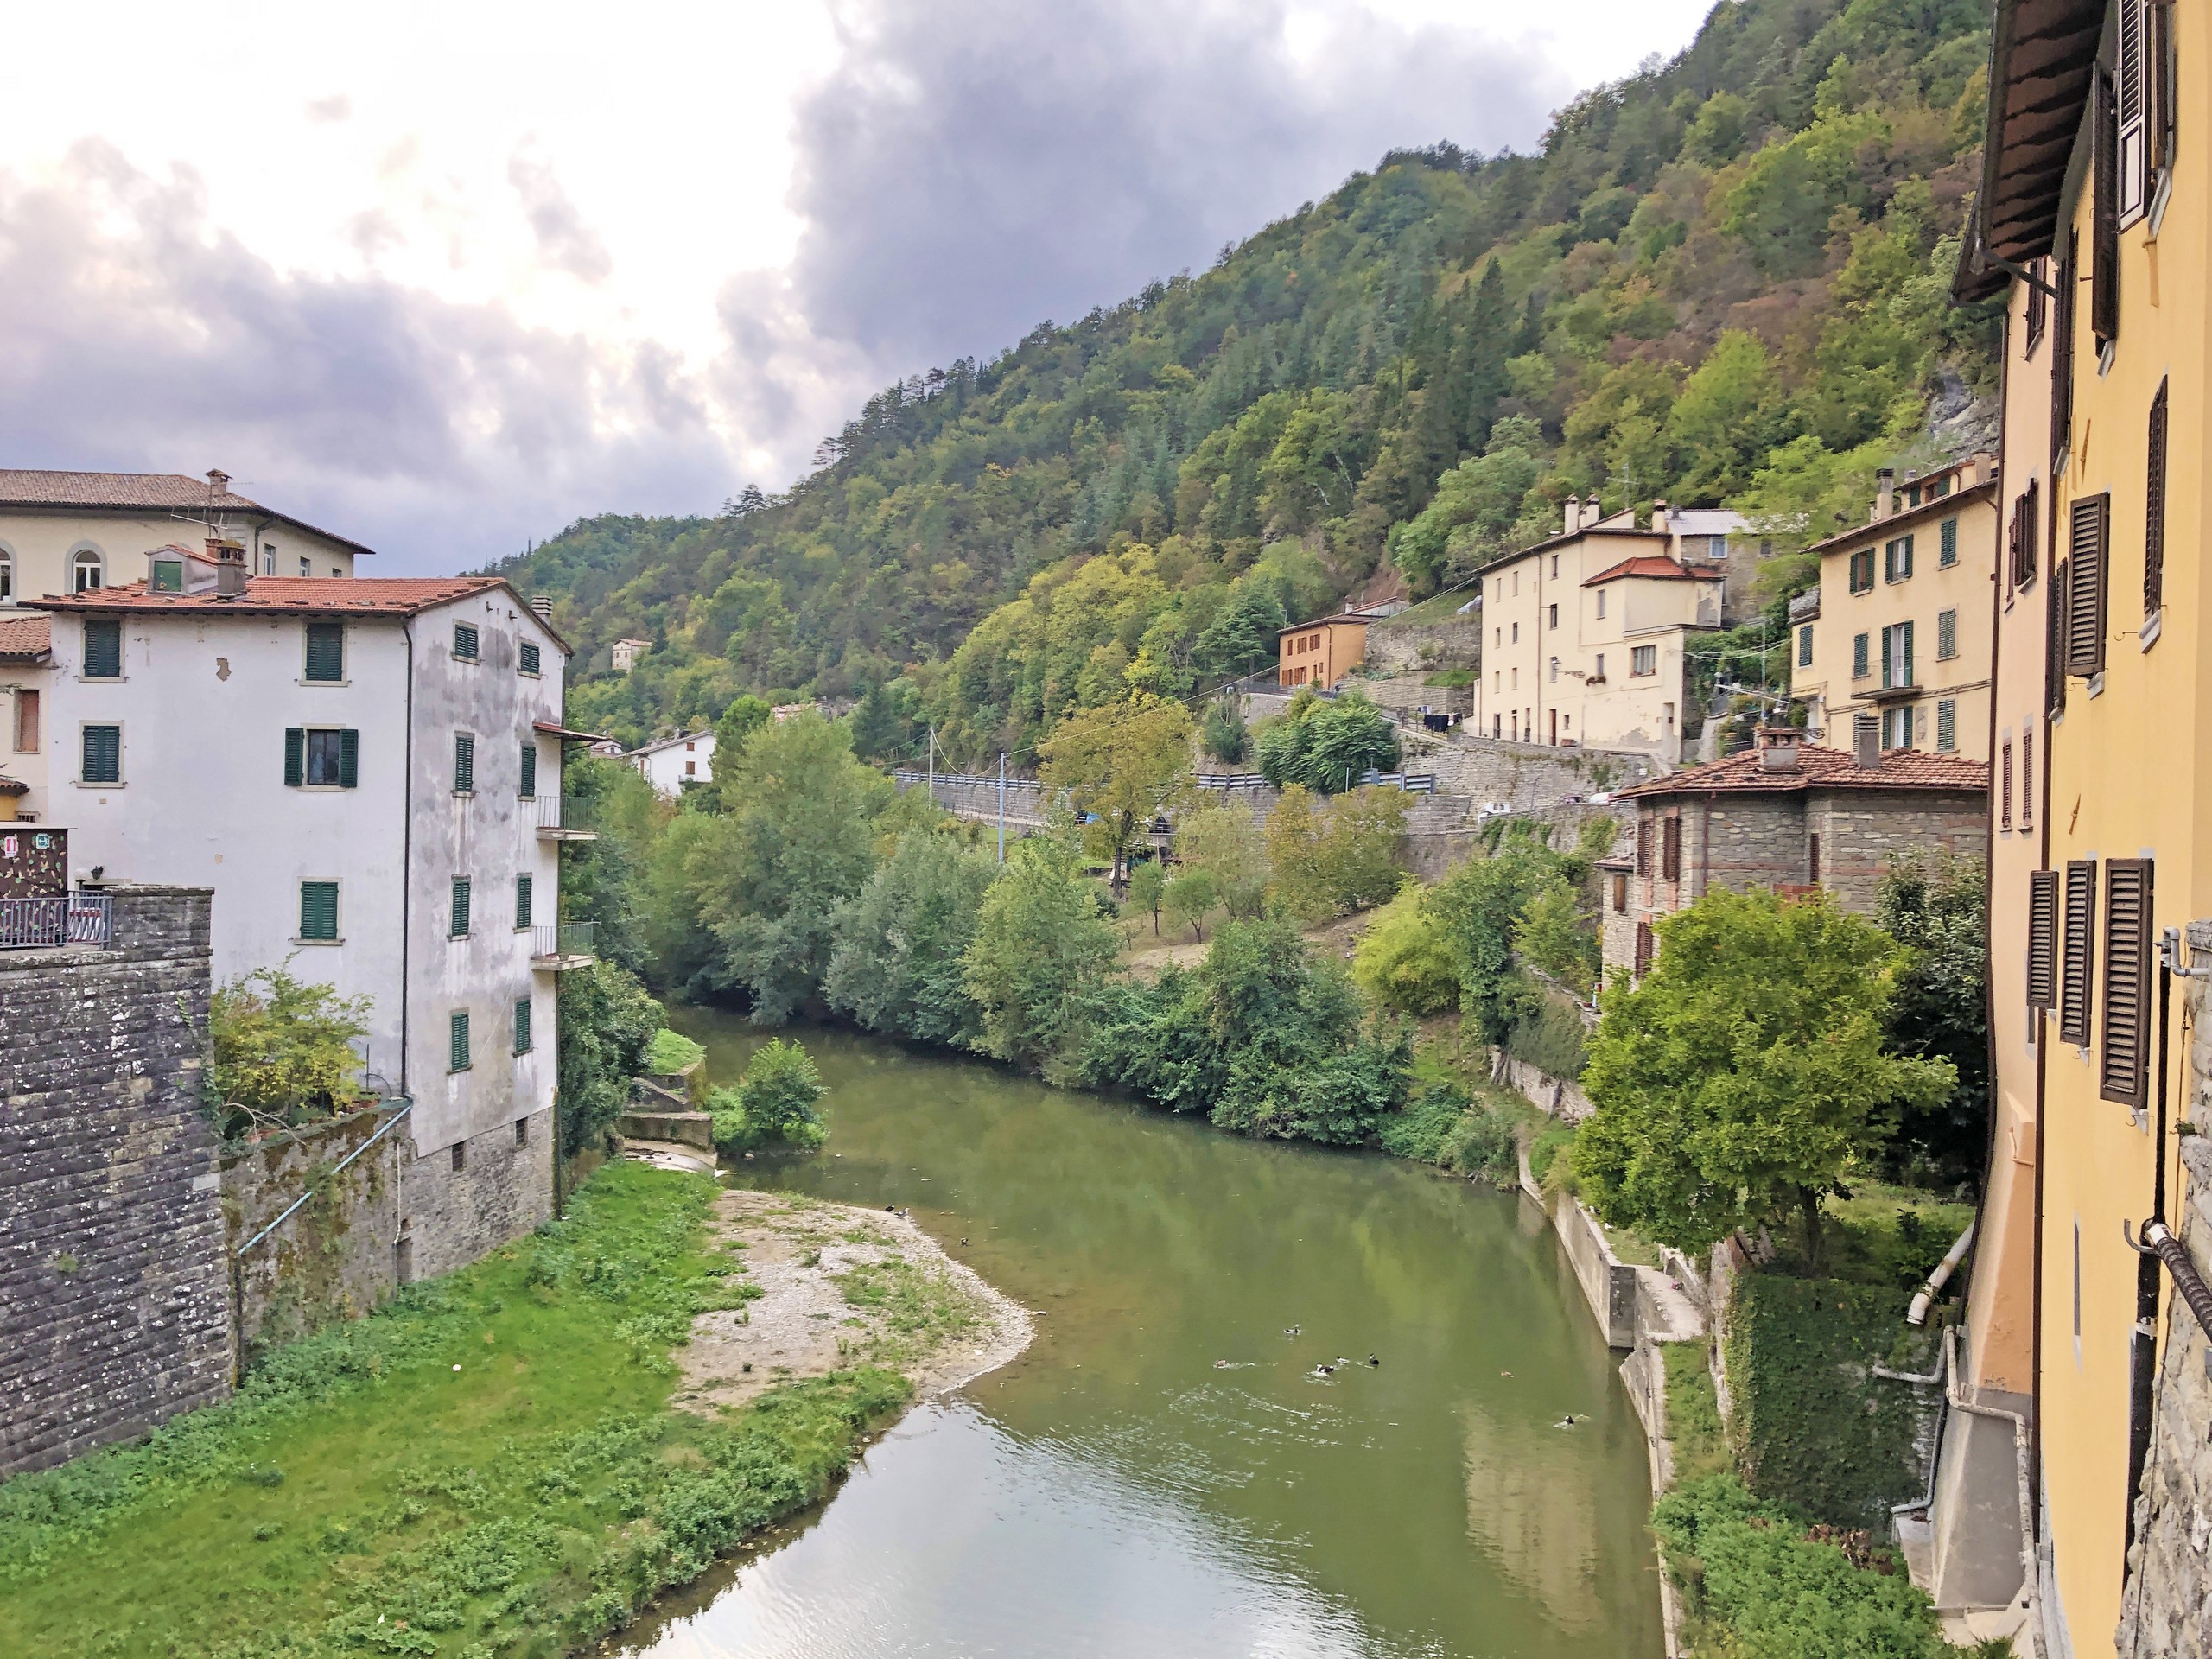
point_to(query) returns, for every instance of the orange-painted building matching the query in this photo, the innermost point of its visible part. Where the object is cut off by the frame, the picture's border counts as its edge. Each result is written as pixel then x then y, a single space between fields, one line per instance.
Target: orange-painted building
pixel 1322 652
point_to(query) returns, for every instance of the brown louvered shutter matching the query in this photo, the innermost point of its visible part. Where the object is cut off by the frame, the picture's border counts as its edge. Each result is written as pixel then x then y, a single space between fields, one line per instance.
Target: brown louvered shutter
pixel 2043 939
pixel 2087 554
pixel 2027 780
pixel 2054 654
pixel 2154 510
pixel 2104 224
pixel 1644 845
pixel 2124 1073
pixel 2075 962
pixel 1642 949
pixel 2062 356
pixel 1672 872
pixel 2004 789
pixel 2131 128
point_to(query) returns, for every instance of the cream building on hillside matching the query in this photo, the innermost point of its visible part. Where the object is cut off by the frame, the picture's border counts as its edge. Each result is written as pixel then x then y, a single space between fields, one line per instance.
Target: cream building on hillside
pixel 1901 631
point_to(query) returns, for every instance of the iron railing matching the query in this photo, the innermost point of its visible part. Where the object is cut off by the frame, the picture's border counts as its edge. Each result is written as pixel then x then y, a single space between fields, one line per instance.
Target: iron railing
pixel 553 941
pixel 565 814
pixel 76 918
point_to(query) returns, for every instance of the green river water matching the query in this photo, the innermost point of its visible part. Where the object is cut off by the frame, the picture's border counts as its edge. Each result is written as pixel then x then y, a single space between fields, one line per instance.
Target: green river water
pixel 1114 1491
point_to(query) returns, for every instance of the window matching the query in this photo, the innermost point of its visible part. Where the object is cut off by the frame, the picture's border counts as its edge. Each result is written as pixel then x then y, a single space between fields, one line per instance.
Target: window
pixel 168 576
pixel 7 576
pixel 1670 868
pixel 319 912
pixel 1642 949
pixel 1555 671
pixel 1813 860
pixel 1553 612
pixel 2027 780
pixel 464 763
pixel 522 1046
pixel 1946 635
pixel 1862 571
pixel 529 789
pixel 464 642
pixel 526 658
pixel 1896 728
pixel 1947 727
pixel 1517 633
pixel 1601 674
pixel 103 756
pixel 2104 199
pixel 522 1124
pixel 1896 656
pixel 326 661
pixel 2043 939
pixel 460 1151
pixel 1644 659
pixel 1620 895
pixel 1554 567
pixel 1805 645
pixel 2004 788
pixel 306 569
pixel 2062 353
pixel 2126 1025
pixel 87 571
pixel 1601 604
pixel 457 1053
pixel 269 558
pixel 1946 543
pixel 1859 669
pixel 2026 516
pixel 2154 509
pixel 459 929
pixel 2086 551
pixel 321 756
pixel 1939 488
pixel 2078 922
pixel 523 886
pixel 103 649
pixel 27 733
pixel 1717 548
pixel 1643 847
pixel 1896 559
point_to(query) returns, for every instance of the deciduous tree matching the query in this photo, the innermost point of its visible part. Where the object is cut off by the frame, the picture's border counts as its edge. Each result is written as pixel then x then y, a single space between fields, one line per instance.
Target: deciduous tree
pixel 1123 764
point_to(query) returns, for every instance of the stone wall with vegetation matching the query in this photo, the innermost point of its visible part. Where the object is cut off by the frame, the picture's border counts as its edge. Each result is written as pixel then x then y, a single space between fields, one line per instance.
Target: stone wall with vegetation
pixel 112 1294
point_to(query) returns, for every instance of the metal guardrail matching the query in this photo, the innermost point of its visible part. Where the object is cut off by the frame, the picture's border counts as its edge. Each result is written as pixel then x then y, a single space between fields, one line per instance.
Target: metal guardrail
pixel 1414 783
pixel 551 941
pixel 565 814
pixel 1230 780
pixel 79 918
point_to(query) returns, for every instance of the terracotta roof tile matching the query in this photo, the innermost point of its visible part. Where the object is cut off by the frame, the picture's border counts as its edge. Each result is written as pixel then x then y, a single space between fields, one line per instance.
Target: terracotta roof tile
pixel 1652 565
pixel 147 492
pixel 24 637
pixel 342 595
pixel 1822 768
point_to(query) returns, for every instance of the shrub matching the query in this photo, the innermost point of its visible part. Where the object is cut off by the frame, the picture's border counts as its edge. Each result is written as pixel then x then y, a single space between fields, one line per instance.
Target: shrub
pixel 1329 857
pixel 607 1022
pixel 1223 735
pixel 773 1104
pixel 1552 1037
pixel 282 1051
pixel 1325 743
pixel 670 1051
pixel 1403 961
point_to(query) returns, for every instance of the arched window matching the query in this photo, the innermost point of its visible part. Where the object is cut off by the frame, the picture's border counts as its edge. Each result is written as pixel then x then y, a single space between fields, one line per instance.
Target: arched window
pixel 6 578
pixel 87 571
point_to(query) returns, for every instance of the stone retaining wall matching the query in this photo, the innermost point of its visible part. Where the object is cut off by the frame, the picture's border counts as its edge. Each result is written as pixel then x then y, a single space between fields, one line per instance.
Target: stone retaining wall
pixel 113 1298
pixel 1425 646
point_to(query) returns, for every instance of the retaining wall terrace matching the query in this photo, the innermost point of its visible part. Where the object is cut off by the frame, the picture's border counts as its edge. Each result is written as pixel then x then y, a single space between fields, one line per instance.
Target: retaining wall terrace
pixel 113 1296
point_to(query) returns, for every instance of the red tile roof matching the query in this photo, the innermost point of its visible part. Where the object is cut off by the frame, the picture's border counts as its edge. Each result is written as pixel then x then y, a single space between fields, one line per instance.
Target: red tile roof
pixel 289 596
pixel 1821 768
pixel 24 638
pixel 1649 565
pixel 141 492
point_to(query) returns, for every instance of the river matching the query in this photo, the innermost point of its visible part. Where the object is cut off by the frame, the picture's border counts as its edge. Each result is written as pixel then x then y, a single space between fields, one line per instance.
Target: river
pixel 1162 1473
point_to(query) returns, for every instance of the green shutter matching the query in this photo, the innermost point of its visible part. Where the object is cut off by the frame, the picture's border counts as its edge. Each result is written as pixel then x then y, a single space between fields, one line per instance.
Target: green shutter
pixel 464 765
pixel 1859 655
pixel 319 910
pixel 1908 679
pixel 1949 553
pixel 103 650
pixel 460 907
pixel 1947 727
pixel 103 754
pixel 529 657
pixel 522 1025
pixel 464 641
pixel 523 886
pixel 457 1042
pixel 295 756
pixel 326 650
pixel 529 770
pixel 349 759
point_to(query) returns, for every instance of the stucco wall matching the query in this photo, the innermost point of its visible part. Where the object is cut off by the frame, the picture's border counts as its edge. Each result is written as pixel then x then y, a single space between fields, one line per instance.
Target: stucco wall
pixel 113 1297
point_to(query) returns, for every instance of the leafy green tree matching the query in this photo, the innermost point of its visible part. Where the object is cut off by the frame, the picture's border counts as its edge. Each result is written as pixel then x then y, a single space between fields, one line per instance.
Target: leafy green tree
pixel 1223 734
pixel 1479 906
pixel 607 1021
pixel 1731 411
pixel 1476 506
pixel 1123 765
pixel 1224 840
pixel 1554 935
pixel 775 1104
pixel 281 1050
pixel 1325 743
pixel 1747 1075
pixel 603 881
pixel 1189 898
pixel 1938 908
pixel 746 716
pixel 1148 889
pixel 796 841
pixel 1242 639
pixel 1403 961
pixel 886 720
pixel 1042 948
pixel 1328 858
pixel 896 964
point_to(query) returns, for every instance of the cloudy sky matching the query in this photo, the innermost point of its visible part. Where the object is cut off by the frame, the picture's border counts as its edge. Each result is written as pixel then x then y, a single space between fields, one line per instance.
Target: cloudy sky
pixel 445 276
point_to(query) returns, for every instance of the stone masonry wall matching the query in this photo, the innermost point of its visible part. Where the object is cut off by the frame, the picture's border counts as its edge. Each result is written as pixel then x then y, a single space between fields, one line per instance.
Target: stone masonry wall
pixel 113 1295
pixel 1861 829
pixel 1425 646
pixel 502 1188
pixel 332 1259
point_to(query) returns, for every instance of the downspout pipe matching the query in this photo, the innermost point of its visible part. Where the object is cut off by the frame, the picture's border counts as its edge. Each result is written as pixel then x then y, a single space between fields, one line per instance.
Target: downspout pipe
pixel 1933 1286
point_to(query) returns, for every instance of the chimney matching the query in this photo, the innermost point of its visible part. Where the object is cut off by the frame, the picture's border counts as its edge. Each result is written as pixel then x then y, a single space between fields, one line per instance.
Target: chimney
pixel 1659 514
pixel 1574 515
pixel 1866 741
pixel 1885 493
pixel 229 560
pixel 541 607
pixel 218 482
pixel 1779 749
pixel 1593 511
pixel 1984 468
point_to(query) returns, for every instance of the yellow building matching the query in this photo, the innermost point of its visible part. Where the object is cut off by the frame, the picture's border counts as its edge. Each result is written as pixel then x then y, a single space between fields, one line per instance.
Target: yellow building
pixel 1898 631
pixel 2092 216
pixel 1322 652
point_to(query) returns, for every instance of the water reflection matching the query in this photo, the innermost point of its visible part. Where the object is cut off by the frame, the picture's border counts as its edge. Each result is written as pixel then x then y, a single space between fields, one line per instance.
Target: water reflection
pixel 1115 1492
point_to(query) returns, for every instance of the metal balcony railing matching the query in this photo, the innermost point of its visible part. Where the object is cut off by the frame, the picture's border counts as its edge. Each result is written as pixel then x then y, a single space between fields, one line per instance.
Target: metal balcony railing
pixel 75 918
pixel 560 945
pixel 566 818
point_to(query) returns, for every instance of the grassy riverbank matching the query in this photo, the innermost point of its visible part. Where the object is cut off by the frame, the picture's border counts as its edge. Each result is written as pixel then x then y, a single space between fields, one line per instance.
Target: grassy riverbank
pixel 487 1468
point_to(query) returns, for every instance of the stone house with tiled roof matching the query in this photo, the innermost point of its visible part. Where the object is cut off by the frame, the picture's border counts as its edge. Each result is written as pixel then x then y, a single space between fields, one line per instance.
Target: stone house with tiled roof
pixel 1787 815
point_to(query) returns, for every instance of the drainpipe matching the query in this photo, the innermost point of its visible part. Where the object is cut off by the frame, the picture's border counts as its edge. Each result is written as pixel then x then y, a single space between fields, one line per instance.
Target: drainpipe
pixel 1918 1315
pixel 406 850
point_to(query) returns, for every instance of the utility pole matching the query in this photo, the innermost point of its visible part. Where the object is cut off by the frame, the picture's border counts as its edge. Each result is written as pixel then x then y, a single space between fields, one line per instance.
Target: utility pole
pixel 1002 806
pixel 932 785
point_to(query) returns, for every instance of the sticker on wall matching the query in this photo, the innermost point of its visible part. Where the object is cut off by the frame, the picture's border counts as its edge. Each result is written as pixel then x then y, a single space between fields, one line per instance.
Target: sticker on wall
pixel 8 847
pixel 40 842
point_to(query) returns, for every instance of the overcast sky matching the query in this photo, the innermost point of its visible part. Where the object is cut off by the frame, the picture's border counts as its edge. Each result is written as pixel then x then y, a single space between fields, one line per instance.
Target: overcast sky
pixel 446 276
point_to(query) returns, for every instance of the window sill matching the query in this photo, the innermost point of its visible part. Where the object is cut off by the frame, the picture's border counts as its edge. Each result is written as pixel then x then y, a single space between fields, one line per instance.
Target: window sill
pixel 2097 684
pixel 84 784
pixel 2153 626
pixel 464 794
pixel 519 1053
pixel 529 674
pixel 299 940
pixel 103 679
pixel 303 680
pixel 321 788
pixel 457 938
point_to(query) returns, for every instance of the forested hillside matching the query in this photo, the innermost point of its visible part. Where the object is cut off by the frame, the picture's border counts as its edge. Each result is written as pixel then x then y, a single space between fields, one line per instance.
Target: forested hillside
pixel 1723 281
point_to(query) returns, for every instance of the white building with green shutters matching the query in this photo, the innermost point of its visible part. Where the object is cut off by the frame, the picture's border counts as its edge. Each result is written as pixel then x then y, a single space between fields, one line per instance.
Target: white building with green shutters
pixel 368 774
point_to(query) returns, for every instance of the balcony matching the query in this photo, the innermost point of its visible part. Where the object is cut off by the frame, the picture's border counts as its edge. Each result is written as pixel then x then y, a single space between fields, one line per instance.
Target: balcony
pixel 565 817
pixel 558 947
pixel 79 918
